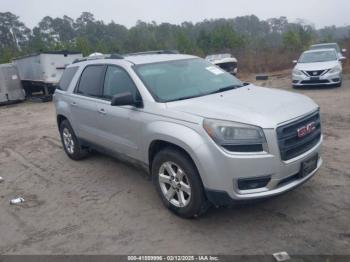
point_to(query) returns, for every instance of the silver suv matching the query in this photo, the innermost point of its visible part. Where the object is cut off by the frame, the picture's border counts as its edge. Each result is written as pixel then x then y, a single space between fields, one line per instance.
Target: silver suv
pixel 205 137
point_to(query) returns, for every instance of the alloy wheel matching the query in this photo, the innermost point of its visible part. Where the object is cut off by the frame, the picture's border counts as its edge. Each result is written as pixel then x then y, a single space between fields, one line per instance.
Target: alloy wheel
pixel 174 184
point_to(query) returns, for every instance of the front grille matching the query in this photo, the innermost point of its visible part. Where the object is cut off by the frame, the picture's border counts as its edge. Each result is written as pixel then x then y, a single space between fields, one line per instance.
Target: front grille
pixel 315 72
pixel 315 82
pixel 290 144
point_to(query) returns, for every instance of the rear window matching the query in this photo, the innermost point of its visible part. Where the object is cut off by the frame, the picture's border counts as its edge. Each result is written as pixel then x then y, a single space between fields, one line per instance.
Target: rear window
pixel 90 83
pixel 67 77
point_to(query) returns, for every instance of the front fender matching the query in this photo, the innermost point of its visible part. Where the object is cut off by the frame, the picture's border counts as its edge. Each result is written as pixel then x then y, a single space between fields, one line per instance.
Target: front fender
pixel 183 136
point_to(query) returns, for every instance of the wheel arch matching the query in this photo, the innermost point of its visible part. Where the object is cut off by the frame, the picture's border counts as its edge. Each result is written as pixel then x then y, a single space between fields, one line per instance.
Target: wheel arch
pixel 158 145
pixel 60 118
pixel 163 134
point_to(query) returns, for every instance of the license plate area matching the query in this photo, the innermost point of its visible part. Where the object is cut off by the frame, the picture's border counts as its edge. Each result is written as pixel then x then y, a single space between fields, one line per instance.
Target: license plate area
pixel 315 78
pixel 308 166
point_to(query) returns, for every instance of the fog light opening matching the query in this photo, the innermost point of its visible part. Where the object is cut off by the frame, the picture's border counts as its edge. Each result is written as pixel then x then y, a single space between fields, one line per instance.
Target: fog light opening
pixel 253 183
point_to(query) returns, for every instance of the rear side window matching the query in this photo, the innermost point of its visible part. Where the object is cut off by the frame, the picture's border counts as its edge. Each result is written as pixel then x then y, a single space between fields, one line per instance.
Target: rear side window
pixel 67 77
pixel 90 80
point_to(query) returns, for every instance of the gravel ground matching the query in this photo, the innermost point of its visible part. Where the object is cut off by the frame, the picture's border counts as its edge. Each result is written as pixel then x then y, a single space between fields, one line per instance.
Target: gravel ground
pixel 105 206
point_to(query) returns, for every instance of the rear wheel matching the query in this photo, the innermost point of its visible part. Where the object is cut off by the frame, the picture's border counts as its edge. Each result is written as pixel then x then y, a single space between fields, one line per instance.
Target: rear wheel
pixel 70 142
pixel 178 183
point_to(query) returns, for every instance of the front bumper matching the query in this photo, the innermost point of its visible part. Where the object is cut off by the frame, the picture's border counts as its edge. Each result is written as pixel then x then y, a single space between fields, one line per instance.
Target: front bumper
pixel 327 80
pixel 221 171
pixel 222 198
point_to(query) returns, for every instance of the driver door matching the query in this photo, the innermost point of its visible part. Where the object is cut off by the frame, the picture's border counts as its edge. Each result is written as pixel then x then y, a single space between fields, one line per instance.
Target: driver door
pixel 120 125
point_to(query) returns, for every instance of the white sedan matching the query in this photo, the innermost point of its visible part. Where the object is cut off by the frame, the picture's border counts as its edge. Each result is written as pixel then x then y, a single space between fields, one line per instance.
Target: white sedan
pixel 318 67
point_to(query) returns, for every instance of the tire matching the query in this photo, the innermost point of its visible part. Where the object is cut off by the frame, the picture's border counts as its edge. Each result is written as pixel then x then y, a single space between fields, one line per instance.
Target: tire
pixel 186 196
pixel 70 142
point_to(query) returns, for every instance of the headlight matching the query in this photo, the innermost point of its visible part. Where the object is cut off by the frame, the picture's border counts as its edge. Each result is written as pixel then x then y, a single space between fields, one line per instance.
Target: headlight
pixel 335 70
pixel 235 137
pixel 297 72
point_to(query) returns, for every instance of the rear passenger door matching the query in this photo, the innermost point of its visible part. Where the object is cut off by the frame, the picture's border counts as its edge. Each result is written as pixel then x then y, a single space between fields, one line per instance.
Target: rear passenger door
pixel 121 125
pixel 84 103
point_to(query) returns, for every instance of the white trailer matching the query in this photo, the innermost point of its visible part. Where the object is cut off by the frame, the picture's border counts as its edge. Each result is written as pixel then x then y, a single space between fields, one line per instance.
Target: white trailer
pixel 41 72
pixel 10 85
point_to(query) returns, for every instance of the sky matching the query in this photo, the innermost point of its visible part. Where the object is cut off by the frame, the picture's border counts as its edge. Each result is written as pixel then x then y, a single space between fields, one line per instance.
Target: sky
pixel 126 12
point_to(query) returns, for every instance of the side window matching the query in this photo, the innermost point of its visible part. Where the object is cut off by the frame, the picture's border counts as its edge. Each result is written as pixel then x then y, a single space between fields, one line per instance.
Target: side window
pixel 117 81
pixel 90 80
pixel 67 77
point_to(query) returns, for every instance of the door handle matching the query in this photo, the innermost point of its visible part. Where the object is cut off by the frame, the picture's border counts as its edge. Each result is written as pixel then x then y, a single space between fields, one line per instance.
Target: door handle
pixel 102 111
pixel 73 104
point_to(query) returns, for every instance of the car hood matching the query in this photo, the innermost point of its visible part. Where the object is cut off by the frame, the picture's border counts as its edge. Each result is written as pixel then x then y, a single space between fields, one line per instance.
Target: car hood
pixel 316 66
pixel 251 104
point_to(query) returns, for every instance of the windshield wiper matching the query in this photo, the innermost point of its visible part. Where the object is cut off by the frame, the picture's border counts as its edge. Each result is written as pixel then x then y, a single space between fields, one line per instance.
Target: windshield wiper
pixel 183 98
pixel 224 89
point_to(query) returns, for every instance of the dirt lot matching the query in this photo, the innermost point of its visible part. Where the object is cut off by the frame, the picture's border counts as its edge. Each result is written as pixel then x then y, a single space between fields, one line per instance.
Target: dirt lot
pixel 104 206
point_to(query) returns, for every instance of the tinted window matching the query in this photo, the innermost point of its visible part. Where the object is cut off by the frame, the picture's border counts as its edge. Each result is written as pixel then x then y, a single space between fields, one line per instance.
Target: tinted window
pixel 67 77
pixel 117 81
pixel 90 81
pixel 229 67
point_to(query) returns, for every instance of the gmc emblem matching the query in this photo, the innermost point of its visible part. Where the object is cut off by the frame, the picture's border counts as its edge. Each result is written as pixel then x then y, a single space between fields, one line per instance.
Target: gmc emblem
pixel 305 130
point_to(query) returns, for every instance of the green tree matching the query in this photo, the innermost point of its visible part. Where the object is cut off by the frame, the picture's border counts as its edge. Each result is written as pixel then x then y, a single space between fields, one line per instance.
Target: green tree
pixel 184 43
pixel 13 33
pixel 83 45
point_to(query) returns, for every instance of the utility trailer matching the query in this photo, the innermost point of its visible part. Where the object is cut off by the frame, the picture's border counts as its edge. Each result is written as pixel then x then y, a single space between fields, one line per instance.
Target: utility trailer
pixel 11 90
pixel 41 72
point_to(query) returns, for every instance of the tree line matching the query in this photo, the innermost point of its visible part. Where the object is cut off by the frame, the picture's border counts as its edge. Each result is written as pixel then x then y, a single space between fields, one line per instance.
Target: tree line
pixel 260 45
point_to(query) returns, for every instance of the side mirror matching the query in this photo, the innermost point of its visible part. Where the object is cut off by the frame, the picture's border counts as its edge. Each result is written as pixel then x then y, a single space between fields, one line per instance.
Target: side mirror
pixel 124 99
pixel 295 61
pixel 344 50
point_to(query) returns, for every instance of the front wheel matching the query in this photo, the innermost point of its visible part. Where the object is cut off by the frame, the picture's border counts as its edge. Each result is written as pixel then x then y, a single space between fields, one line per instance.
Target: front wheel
pixel 70 142
pixel 178 183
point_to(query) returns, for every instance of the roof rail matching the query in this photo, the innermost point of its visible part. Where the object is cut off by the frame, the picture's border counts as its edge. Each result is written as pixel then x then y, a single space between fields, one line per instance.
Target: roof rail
pixel 155 52
pixel 109 56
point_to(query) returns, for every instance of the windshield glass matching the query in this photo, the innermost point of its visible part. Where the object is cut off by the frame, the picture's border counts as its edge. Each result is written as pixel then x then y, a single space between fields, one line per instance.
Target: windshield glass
pixel 182 79
pixel 322 56
pixel 326 46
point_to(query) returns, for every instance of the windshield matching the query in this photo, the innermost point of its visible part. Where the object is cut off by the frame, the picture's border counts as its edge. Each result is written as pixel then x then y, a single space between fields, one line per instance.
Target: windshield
pixel 182 79
pixel 326 46
pixel 322 56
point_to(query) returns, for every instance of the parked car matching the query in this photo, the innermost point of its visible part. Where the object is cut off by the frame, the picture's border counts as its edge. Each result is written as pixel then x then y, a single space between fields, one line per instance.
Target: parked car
pixel 332 46
pixel 318 67
pixel 224 61
pixel 204 136
pixel 40 73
